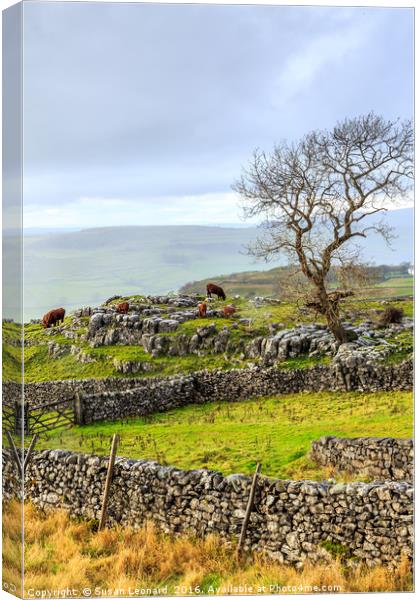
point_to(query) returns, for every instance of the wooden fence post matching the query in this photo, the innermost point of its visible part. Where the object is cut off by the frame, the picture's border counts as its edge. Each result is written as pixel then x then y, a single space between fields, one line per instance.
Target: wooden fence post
pixel 78 409
pixel 248 511
pixel 114 445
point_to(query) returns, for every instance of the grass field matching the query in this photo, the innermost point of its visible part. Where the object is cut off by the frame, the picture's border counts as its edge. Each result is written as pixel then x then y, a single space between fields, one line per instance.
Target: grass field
pixel 397 286
pixel 232 437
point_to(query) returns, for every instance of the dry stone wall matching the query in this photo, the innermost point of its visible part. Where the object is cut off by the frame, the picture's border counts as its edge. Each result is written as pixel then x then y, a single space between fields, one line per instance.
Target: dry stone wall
pixel 115 398
pixel 159 395
pixel 291 520
pixel 11 481
pixel 381 458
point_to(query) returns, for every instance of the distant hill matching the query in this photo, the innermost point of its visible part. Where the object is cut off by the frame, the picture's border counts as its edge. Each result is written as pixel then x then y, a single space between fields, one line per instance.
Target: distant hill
pixel 85 267
pixel 245 283
pixel 76 268
pixel 394 281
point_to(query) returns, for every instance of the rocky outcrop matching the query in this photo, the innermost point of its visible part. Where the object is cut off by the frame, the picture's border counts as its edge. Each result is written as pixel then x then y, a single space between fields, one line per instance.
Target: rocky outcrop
pixel 206 340
pixel 81 356
pixel 177 300
pixel 379 458
pixel 290 343
pixel 316 340
pixel 131 366
pixel 57 350
pixel 109 328
pixel 355 365
pixel 85 311
pixel 291 520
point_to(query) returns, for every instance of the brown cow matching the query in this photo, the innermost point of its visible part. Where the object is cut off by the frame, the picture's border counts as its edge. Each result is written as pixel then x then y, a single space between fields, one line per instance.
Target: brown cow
pixel 212 288
pixel 123 308
pixel 53 317
pixel 202 309
pixel 229 310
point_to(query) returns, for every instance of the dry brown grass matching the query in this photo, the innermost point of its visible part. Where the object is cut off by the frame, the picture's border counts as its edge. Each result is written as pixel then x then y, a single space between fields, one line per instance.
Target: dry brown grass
pixel 12 547
pixel 65 553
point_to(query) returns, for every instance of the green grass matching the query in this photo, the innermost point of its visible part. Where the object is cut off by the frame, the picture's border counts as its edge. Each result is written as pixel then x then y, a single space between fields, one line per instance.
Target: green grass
pixel 337 550
pixel 403 347
pixel 11 332
pixel 40 367
pixel 232 437
pixel 403 286
pixel 366 308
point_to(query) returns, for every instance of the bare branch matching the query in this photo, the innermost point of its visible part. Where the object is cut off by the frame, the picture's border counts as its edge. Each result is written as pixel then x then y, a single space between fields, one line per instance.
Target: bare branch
pixel 321 194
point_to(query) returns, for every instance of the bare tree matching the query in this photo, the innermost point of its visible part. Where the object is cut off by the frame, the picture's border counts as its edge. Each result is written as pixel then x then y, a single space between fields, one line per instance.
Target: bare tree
pixel 319 195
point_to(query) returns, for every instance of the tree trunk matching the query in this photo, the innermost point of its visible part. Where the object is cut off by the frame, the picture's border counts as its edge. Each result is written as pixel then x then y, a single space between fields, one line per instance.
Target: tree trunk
pixel 332 314
pixel 339 332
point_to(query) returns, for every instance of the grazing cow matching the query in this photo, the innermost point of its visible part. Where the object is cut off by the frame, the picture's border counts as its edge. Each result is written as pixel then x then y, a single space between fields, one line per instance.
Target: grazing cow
pixel 212 288
pixel 229 310
pixel 202 309
pixel 53 317
pixel 123 308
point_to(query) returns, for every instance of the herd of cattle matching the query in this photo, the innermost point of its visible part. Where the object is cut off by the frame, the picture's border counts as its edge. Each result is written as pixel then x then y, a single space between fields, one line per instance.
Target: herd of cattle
pixel 56 316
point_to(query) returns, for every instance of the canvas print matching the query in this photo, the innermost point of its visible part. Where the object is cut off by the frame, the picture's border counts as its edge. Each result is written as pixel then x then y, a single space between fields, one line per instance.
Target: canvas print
pixel 207 299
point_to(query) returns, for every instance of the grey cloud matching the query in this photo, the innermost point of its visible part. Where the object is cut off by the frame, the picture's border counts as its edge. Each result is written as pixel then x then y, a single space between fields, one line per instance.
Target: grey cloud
pixel 133 100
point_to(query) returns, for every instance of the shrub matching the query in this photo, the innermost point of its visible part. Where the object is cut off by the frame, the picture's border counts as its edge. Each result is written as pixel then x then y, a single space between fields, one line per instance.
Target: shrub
pixel 391 315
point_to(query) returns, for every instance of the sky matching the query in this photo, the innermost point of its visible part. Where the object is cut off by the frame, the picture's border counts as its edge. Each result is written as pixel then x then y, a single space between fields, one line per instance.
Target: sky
pixel 145 114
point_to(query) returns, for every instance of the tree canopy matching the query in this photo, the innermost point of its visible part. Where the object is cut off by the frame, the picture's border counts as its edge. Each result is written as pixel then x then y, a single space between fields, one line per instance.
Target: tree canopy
pixel 321 193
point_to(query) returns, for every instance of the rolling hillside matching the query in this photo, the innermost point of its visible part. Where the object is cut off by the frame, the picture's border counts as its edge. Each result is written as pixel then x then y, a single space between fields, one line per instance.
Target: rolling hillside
pixel 76 268
pixel 80 268
pixel 265 283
